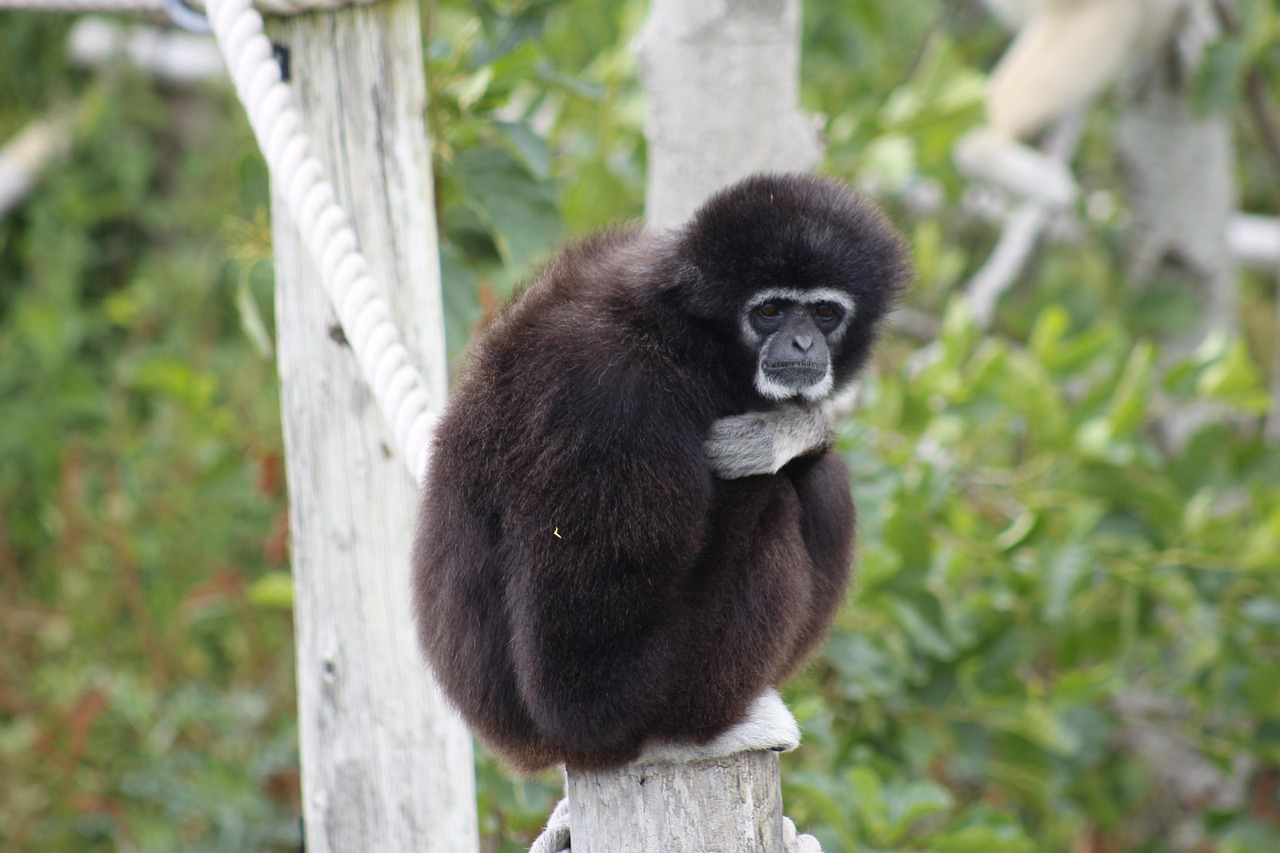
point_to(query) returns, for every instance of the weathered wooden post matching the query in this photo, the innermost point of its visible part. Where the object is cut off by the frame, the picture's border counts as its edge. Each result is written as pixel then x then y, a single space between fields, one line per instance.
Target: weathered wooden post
pixel 386 765
pixel 723 805
pixel 722 82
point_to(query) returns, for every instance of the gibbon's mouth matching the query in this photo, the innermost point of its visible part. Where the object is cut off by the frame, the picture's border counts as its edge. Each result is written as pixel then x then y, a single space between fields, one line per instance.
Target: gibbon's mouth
pixel 786 380
pixel 795 373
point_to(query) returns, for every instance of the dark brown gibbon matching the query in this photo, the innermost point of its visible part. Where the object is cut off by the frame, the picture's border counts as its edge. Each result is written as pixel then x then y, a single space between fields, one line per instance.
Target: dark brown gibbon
pixel 633 526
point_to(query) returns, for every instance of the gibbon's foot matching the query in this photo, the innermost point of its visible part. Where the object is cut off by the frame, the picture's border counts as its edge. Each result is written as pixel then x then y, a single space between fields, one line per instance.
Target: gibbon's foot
pixel 988 155
pixel 762 442
pixel 767 726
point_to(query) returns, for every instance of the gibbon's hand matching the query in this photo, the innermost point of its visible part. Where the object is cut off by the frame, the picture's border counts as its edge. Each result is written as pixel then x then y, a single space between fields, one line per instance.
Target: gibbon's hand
pixel 763 442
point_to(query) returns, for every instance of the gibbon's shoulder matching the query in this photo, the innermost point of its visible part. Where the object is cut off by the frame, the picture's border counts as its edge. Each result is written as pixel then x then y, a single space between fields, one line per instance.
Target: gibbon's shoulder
pixel 596 291
pixel 596 269
pixel 593 316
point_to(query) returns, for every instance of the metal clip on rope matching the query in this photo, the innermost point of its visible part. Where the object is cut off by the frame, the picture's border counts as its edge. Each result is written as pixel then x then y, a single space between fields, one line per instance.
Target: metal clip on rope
pixel 187 18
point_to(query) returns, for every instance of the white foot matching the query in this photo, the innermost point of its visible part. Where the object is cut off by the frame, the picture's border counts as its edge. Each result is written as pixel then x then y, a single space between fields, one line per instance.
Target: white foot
pixel 767 726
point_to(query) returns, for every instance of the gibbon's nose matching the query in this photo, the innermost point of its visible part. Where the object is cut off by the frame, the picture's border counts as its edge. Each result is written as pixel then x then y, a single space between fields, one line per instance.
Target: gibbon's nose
pixel 802 342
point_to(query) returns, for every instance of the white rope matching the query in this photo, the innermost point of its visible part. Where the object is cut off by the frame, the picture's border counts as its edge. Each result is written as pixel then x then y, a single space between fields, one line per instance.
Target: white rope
pixel 365 316
pixel 555 837
pixel 273 7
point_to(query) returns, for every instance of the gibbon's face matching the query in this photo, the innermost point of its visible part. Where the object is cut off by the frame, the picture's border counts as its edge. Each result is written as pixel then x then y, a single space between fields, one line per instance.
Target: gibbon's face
pixel 794 333
pixel 797 271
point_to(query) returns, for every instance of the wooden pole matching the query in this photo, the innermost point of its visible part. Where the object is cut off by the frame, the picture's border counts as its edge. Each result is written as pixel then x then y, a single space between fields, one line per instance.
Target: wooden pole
pixel 722 86
pixel 386 765
pixel 726 805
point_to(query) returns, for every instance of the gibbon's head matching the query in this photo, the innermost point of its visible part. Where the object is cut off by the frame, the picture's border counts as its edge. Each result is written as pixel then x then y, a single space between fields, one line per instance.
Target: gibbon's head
pixel 800 271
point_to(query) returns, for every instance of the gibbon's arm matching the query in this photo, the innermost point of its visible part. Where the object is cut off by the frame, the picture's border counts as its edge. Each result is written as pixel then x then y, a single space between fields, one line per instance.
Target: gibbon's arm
pixel 1066 54
pixel 763 442
pixel 611 516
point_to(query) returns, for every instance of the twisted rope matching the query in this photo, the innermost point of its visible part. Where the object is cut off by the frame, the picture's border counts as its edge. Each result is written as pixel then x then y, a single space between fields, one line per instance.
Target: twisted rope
pixel 384 361
pixel 273 7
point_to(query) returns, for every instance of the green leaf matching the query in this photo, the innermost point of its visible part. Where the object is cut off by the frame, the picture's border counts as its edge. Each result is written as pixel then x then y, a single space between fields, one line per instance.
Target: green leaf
pixel 531 149
pixel 1233 379
pixel 1262 544
pixel 178 381
pixel 1127 410
pixel 906 804
pixel 1018 530
pixel 926 637
pixel 273 591
pixel 1049 332
pixel 459 291
pixel 868 801
pixel 470 89
pixel 1066 568
pixel 251 322
pixel 890 161
pixel 1221 72
pixel 520 209
pixel 1038 722
pixel 981 839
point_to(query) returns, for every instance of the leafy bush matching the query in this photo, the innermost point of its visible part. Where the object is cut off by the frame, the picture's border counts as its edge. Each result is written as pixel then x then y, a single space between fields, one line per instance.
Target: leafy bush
pixel 1031 559
pixel 146 702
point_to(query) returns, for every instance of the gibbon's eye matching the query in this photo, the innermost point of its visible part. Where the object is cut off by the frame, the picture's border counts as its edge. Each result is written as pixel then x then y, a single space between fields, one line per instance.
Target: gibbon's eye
pixel 769 310
pixel 826 311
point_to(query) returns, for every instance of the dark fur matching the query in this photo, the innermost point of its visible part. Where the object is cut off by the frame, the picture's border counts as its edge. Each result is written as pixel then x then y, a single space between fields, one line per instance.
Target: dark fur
pixel 581 582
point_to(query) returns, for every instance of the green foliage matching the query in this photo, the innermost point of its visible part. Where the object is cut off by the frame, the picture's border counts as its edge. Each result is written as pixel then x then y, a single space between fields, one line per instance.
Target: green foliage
pixel 1029 552
pixel 522 91
pixel 1033 548
pixel 146 701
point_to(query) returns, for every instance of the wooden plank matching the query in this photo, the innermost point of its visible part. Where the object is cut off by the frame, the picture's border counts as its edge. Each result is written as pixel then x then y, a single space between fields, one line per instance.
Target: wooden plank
pixel 386 765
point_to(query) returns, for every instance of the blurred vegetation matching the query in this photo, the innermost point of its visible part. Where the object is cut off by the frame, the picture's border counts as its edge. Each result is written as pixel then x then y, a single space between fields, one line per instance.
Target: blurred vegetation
pixel 1032 555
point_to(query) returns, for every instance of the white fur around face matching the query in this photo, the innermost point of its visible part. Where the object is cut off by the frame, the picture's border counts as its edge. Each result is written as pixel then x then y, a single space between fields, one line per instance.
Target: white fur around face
pixel 800 297
pixel 771 389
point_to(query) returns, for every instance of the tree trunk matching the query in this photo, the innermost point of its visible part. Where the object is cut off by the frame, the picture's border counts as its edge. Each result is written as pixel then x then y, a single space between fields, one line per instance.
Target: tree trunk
pixel 722 79
pixel 1177 167
pixel 386 765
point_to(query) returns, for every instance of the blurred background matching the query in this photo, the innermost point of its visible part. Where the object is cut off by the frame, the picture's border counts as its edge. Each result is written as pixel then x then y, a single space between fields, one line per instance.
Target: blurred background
pixel 1066 630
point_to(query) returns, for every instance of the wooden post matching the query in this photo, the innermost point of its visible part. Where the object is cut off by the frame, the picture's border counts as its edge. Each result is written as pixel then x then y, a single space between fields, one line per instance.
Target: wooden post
pixel 386 765
pixel 722 82
pixel 726 805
